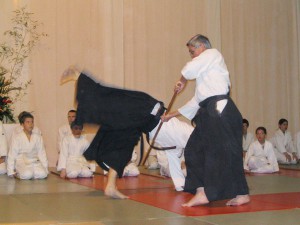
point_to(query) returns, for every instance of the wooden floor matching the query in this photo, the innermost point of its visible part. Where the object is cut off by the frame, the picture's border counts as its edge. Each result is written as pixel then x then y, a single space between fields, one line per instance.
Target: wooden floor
pixel 275 200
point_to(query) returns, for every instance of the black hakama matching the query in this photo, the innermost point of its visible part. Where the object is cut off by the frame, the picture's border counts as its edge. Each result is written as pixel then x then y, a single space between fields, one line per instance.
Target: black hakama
pixel 213 154
pixel 123 116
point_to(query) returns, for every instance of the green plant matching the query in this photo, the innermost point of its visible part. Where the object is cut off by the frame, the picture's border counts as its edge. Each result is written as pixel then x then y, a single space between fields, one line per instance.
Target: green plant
pixel 22 38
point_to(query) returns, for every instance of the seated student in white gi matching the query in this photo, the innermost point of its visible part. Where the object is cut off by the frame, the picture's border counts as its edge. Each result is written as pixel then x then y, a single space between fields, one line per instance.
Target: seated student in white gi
pixel 247 137
pixel 131 170
pixel 260 157
pixel 3 150
pixel 27 156
pixel 283 144
pixel 19 129
pixel 65 130
pixel 72 163
pixel 297 144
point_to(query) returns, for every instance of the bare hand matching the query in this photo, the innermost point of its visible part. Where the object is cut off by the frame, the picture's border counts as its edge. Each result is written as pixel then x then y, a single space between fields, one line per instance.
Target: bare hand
pixel 288 157
pixel 63 173
pixel 295 156
pixel 179 86
pixel 166 118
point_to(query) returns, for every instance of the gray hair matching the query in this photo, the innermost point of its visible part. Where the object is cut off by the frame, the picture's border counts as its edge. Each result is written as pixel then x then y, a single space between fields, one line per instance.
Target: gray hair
pixel 197 40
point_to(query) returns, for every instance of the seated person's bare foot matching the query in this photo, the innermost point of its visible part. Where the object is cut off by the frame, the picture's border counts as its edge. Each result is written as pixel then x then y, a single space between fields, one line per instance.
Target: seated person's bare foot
pixel 199 199
pixel 114 193
pixel 239 200
pixel 72 73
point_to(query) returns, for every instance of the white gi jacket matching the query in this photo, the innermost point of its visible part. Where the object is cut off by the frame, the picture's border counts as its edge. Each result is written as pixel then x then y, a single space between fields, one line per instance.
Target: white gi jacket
pixel 261 159
pixel 26 151
pixel 3 149
pixel 63 131
pixel 283 142
pixel 212 78
pixel 72 150
pixel 297 143
pixel 247 141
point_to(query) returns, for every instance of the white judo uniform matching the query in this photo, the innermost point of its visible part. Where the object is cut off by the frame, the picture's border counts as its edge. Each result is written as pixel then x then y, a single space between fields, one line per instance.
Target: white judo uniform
pixel 71 157
pixel 173 133
pixel 27 158
pixel 247 140
pixel 282 142
pixel 297 143
pixel 63 131
pixel 3 149
pixel 261 158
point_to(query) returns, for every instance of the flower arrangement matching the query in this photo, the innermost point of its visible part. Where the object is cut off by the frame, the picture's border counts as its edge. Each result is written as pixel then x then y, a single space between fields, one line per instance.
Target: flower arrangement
pixel 5 103
pixel 23 37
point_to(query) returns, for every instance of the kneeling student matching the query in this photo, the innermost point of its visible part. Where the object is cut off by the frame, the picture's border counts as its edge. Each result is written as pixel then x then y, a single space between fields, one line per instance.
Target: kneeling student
pixel 27 156
pixel 260 157
pixel 71 162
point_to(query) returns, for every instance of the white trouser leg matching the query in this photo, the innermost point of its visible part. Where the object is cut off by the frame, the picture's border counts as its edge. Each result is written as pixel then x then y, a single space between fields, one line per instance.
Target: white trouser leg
pixel 175 168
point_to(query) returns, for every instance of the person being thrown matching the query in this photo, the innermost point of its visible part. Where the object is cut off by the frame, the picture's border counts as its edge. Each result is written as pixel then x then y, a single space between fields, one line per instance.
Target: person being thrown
pixel 123 116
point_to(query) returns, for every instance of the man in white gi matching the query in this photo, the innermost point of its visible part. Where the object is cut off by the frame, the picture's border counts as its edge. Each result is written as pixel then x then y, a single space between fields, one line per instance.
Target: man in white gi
pixel 213 154
pixel 283 144
pixel 247 137
pixel 71 162
pixel 27 156
pixel 260 157
pixel 174 133
pixel 65 129
pixel 3 150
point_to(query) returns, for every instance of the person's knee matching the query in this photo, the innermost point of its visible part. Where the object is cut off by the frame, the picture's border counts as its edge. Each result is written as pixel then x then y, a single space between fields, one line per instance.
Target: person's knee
pixel 40 174
pixel 252 163
pixel 86 173
pixel 26 174
pixel 72 174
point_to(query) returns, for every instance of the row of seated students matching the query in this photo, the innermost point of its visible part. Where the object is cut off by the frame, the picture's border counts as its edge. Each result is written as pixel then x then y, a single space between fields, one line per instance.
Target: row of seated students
pixel 26 158
pixel 71 146
pixel 262 156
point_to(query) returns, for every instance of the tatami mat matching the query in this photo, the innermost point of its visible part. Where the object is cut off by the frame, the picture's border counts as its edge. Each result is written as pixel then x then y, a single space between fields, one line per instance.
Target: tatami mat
pixel 159 192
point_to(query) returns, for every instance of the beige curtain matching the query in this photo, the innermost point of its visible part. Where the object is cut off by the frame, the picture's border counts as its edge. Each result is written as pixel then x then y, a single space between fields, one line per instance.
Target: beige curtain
pixel 260 44
pixel 140 45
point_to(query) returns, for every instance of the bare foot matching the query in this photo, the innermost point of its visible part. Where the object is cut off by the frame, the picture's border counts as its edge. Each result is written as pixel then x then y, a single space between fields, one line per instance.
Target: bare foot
pixel 114 193
pixel 199 199
pixel 72 73
pixel 239 200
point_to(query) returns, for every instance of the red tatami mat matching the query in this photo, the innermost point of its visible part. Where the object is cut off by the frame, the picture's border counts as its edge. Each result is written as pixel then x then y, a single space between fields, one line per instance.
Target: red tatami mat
pixel 156 192
pixel 126 183
pixel 171 201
